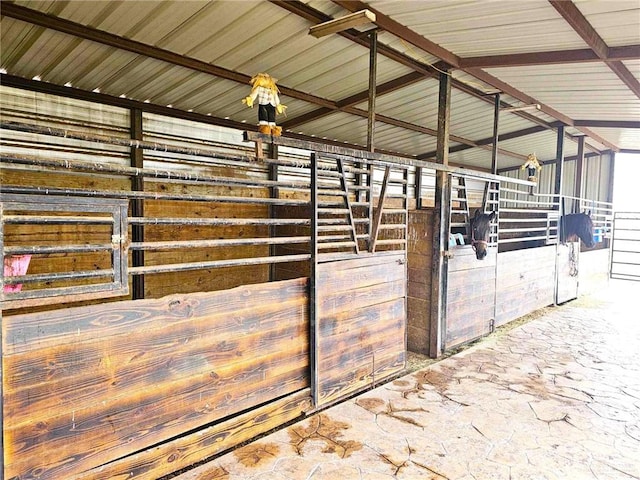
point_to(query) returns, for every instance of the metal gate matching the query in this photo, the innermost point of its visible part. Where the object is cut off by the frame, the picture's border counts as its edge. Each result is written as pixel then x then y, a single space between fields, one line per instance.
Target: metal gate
pixel 625 246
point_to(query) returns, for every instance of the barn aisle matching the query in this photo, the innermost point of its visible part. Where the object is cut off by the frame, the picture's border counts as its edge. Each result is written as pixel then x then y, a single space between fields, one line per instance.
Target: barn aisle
pixel 555 398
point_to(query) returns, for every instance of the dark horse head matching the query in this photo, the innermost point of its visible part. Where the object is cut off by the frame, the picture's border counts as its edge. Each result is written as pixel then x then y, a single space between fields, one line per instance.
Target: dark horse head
pixel 577 226
pixel 480 224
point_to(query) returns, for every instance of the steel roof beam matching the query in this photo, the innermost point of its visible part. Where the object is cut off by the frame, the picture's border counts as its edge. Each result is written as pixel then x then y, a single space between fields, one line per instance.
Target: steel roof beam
pixel 607 123
pixel 105 38
pixel 574 17
pixel 629 52
pixel 489 141
pixel 360 97
pixel 401 31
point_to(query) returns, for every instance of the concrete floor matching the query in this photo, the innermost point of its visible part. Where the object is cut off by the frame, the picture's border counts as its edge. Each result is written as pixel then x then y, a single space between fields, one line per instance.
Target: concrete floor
pixel 555 398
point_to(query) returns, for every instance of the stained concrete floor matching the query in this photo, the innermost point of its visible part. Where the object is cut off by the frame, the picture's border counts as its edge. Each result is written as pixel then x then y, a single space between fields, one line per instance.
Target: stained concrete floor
pixel 555 398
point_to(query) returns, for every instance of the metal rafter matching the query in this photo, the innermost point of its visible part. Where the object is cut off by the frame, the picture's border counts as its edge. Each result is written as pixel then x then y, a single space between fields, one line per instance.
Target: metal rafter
pixel 405 33
pixel 574 17
pixel 629 52
pixel 105 38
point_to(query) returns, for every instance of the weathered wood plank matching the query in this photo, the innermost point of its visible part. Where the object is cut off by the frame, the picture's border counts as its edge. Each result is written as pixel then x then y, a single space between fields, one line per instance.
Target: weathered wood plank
pixel 115 427
pixel 351 330
pixel 341 280
pixel 362 375
pixel 73 378
pixel 353 300
pixel 45 329
pixel 363 261
pixel 464 258
pixel 191 448
pixel 129 375
pixel 467 285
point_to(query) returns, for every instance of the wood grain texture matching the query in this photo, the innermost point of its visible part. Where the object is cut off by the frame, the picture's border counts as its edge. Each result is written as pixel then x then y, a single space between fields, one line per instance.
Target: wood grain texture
pixel 525 282
pixel 470 295
pixel 92 384
pixel 194 447
pixel 361 323
pixel 419 252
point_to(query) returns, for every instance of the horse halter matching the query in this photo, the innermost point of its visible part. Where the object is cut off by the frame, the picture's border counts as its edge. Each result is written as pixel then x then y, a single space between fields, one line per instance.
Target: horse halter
pixel 475 242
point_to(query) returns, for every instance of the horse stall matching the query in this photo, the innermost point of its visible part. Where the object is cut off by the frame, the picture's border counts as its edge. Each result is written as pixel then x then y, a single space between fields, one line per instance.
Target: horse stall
pixel 526 267
pixel 186 289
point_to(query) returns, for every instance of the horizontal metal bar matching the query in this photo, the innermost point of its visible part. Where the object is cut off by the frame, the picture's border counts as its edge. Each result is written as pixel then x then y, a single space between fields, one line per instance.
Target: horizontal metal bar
pixel 526 239
pixel 217 221
pixel 181 267
pixel 41 250
pixel 217 243
pixel 149 195
pixel 53 277
pixel 336 245
pixel 55 220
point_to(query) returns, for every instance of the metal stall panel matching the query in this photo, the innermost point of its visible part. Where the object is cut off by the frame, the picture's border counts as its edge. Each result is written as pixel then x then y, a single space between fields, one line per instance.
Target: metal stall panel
pixel 625 249
pixel 361 323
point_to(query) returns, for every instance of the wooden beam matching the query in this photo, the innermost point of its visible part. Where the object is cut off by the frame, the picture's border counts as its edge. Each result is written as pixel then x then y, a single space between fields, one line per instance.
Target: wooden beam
pixel 388 24
pixel 343 23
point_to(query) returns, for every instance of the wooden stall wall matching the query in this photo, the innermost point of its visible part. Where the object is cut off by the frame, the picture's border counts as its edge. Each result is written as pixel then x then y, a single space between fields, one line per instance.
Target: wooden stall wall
pixel 360 331
pixel 471 289
pixel 91 385
pixel 419 252
pixel 526 282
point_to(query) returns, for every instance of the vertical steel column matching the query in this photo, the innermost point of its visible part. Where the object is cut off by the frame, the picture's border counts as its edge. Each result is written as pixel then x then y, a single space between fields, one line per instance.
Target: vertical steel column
pixel 557 186
pixel 373 67
pixel 496 120
pixel 313 287
pixel 579 168
pixel 137 205
pixel 418 188
pixel 441 225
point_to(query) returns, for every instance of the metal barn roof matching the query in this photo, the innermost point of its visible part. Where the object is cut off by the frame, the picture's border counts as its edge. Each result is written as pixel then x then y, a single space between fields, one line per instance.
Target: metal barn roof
pixel 580 60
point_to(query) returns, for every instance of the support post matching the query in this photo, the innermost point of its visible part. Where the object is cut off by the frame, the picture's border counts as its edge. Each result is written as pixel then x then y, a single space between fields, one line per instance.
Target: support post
pixel 442 221
pixel 373 67
pixel 137 205
pixel 579 168
pixel 496 120
pixel 557 185
pixel 313 287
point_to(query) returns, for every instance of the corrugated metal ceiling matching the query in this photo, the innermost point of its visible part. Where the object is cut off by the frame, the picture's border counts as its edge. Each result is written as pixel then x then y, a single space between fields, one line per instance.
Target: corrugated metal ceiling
pixel 243 38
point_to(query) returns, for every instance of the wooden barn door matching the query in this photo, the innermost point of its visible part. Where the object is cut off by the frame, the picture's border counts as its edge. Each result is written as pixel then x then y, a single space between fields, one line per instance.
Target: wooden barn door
pixel 471 291
pixel 360 326
pixel 359 275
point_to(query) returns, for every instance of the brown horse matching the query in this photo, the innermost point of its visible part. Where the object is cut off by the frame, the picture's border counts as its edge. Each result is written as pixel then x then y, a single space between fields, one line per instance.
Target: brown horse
pixel 577 226
pixel 480 226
